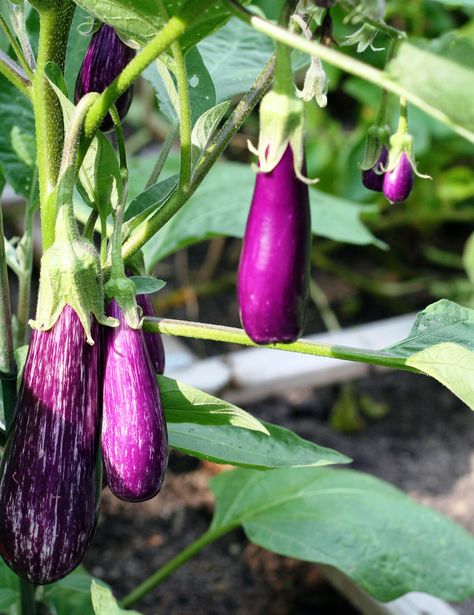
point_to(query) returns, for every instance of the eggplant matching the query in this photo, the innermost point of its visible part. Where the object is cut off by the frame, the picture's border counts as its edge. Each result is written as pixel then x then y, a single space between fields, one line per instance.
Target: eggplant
pixel 153 341
pixel 398 184
pixel 134 436
pixel 373 180
pixel 50 476
pixel 106 57
pixel 274 268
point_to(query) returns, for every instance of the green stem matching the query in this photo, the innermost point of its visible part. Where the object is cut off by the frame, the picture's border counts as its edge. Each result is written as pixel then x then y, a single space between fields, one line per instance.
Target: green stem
pixel 233 335
pixel 160 575
pixel 27 592
pixel 283 68
pixel 346 63
pixel 90 224
pixel 17 16
pixel 118 269
pixel 349 6
pixel 55 22
pixel 24 280
pixel 165 150
pixel 7 357
pixel 170 32
pixel 16 48
pixel 211 155
pixel 14 74
pixel 403 120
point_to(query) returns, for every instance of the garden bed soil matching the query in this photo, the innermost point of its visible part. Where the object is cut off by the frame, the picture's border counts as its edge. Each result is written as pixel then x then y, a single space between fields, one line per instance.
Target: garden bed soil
pixel 423 445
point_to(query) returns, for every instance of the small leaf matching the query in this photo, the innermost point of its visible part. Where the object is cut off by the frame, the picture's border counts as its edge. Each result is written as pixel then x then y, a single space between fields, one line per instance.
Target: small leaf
pixel 205 128
pixel 151 198
pixel 104 602
pixel 147 285
pixel 372 532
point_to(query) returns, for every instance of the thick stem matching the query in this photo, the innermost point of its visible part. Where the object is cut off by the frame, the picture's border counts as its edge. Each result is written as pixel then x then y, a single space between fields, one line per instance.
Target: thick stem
pixel 55 22
pixel 172 30
pixel 27 592
pixel 403 120
pixel 160 575
pixel 283 68
pixel 14 74
pixel 211 155
pixel 233 335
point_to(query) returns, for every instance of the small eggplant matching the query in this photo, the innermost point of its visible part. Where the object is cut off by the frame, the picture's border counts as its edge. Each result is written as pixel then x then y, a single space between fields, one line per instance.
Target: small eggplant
pixel 50 478
pixel 398 184
pixel 106 57
pixel 134 436
pixel 273 276
pixel 154 341
pixel 372 179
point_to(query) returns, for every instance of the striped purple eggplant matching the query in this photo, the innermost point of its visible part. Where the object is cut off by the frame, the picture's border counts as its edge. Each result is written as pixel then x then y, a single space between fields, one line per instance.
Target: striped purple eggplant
pixel 370 178
pixel 398 183
pixel 49 487
pixel 134 436
pixel 154 341
pixel 106 57
pixel 273 276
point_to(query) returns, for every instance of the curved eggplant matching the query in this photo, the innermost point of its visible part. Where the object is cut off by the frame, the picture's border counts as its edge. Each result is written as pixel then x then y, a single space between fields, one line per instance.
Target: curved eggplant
pixel 274 268
pixel 50 478
pixel 106 57
pixel 154 341
pixel 134 436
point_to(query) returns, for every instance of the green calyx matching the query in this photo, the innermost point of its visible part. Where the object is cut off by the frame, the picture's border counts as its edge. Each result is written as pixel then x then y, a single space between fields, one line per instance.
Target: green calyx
pixel 402 143
pixel 70 275
pixel 281 124
pixel 377 137
pixel 122 289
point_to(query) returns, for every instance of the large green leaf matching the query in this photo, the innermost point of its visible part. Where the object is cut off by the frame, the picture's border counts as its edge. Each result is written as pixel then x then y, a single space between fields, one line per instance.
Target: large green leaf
pixel 17 138
pixel 221 206
pixel 371 531
pixel 440 73
pixel 141 20
pixel 210 428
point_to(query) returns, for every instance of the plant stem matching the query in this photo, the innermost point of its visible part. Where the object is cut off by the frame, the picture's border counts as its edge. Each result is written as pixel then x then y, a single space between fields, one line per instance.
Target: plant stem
pixel 283 69
pixel 349 6
pixel 17 16
pixel 90 224
pixel 118 270
pixel 232 335
pixel 16 48
pixel 24 280
pixel 160 575
pixel 14 74
pixel 170 32
pixel 55 22
pixel 7 357
pixel 165 150
pixel 27 592
pixel 346 63
pixel 210 156
pixel 403 120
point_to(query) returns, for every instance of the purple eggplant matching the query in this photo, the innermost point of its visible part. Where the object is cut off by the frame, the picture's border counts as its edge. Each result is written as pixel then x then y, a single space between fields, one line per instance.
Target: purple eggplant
pixel 50 478
pixel 273 276
pixel 134 436
pixel 398 184
pixel 370 178
pixel 154 341
pixel 105 58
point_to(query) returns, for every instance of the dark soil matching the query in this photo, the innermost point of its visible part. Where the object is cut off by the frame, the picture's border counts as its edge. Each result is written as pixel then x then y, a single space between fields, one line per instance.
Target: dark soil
pixel 423 445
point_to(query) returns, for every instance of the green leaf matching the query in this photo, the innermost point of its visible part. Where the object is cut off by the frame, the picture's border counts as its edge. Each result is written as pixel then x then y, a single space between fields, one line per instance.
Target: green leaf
pixel 71 595
pixel 205 128
pixel 147 285
pixel 17 141
pixel 221 206
pixel 371 531
pixel 104 602
pixel 8 597
pixel 212 429
pixel 141 20
pixel 439 72
pixel 152 197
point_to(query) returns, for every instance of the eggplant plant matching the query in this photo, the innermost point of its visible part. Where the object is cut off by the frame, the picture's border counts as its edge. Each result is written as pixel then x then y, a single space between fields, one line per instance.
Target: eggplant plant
pixel 92 397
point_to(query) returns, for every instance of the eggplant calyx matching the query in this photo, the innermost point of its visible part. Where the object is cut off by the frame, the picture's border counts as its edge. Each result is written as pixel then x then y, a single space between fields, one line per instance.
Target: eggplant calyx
pixel 122 289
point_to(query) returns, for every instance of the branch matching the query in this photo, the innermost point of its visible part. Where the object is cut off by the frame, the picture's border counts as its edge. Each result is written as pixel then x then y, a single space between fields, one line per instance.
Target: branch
pixel 10 69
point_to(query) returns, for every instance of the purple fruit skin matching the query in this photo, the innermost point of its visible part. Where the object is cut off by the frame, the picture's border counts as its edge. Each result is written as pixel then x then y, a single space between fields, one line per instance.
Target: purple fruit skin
pixel 134 436
pixel 49 493
pixel 274 268
pixel 371 179
pixel 398 183
pixel 105 58
pixel 154 341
